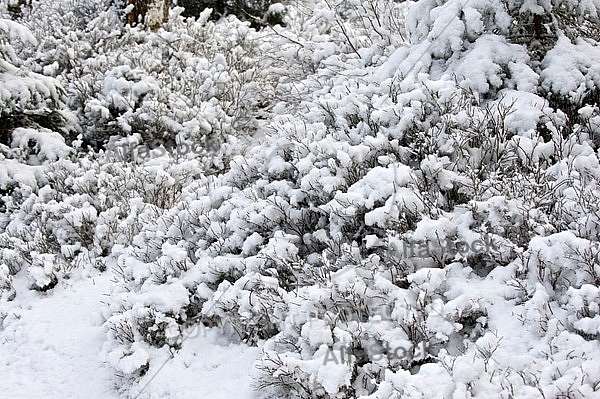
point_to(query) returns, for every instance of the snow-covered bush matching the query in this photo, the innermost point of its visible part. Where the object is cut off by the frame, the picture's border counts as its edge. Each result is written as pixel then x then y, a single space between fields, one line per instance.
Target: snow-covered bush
pixel 31 114
pixel 258 12
pixel 334 146
pixel 82 210
pixel 193 80
pixel 300 242
pixel 27 99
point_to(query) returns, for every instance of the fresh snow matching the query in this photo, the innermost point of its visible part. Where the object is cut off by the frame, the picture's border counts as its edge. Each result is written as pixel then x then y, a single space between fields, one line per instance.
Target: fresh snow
pixel 50 344
pixel 371 200
pixel 50 347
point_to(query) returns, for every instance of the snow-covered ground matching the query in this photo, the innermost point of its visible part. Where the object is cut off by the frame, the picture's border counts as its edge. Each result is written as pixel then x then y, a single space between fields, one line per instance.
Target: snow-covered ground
pixel 51 344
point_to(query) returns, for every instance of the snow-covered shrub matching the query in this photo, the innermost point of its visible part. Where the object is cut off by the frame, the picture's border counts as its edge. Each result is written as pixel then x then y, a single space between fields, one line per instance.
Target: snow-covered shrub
pixel 35 147
pixel 258 12
pixel 195 80
pixel 7 292
pixel 48 237
pixel 23 166
pixel 80 30
pixel 31 114
pixel 251 310
pixel 333 143
pixel 583 313
pixel 27 99
pixel 468 165
pixel 83 210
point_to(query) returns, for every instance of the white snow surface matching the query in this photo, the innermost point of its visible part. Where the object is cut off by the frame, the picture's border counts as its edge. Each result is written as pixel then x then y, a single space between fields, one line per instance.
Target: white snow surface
pixel 50 345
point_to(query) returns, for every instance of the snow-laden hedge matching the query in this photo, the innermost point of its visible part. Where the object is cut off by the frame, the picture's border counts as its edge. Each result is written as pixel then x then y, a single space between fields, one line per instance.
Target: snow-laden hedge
pixel 195 79
pixel 416 216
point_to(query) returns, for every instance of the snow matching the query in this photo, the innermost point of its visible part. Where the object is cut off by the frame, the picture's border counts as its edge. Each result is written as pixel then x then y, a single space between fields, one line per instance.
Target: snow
pixel 571 68
pixel 208 366
pixel 481 68
pixel 50 347
pixel 317 332
pixel 237 204
pixel 17 31
pixel 14 171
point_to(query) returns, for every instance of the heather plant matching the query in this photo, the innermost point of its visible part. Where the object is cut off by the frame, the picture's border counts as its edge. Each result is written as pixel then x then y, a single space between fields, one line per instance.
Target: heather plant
pixel 327 144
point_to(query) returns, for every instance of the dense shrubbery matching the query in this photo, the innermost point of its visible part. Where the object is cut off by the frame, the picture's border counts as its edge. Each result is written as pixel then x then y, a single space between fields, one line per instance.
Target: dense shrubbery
pixel 329 145
pixel 28 99
pixel 258 12
pixel 195 80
